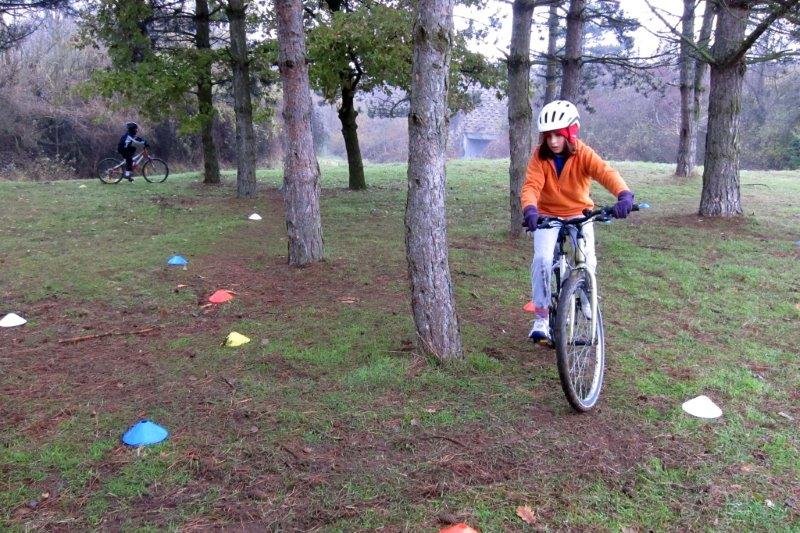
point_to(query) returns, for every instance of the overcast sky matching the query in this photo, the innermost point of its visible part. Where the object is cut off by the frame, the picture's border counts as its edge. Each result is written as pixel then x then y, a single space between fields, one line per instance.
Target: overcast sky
pixel 499 40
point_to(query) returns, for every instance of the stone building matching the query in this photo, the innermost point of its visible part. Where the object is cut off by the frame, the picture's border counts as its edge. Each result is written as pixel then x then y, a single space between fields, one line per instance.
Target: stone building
pixel 483 132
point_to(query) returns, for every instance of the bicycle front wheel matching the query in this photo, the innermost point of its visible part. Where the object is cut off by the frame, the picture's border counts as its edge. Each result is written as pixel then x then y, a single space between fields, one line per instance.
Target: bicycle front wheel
pixel 155 170
pixel 581 361
pixel 109 170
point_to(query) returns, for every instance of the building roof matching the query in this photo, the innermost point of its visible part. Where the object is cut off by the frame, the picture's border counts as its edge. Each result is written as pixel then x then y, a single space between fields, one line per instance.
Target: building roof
pixel 488 119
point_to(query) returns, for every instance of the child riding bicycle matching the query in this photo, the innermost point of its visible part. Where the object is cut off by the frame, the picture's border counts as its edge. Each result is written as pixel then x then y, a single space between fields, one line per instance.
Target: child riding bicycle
pixel 557 184
pixel 127 146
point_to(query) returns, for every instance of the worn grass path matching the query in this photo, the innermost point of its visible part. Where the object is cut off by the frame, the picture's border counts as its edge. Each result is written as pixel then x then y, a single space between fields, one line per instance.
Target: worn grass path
pixel 329 420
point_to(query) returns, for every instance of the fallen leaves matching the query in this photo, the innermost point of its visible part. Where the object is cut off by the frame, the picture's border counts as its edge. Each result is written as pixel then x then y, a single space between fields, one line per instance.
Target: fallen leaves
pixel 526 514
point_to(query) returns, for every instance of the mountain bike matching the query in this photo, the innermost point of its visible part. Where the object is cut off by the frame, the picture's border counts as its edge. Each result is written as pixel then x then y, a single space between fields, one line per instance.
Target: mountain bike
pixel 112 169
pixel 577 331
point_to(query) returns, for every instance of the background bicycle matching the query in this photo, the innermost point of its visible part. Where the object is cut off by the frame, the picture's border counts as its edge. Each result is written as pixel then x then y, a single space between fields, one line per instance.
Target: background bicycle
pixel 112 169
pixel 577 332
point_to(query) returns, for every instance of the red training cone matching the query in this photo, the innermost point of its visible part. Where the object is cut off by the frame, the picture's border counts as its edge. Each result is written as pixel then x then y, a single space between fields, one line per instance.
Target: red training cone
pixel 529 307
pixel 221 296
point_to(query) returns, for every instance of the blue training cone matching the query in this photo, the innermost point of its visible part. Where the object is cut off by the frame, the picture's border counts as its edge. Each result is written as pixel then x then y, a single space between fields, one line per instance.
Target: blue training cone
pixel 144 433
pixel 177 260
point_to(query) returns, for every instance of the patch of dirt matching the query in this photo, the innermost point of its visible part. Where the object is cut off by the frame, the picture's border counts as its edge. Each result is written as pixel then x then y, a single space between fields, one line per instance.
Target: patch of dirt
pixel 721 227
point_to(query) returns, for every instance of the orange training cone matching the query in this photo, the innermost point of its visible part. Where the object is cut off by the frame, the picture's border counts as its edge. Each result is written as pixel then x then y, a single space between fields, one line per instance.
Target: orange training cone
pixel 459 528
pixel 529 307
pixel 221 296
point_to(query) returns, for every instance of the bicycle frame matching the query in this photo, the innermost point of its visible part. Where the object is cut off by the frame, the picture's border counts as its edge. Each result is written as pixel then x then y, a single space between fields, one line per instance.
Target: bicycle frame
pixel 579 263
pixel 579 339
pixel 565 230
pixel 141 157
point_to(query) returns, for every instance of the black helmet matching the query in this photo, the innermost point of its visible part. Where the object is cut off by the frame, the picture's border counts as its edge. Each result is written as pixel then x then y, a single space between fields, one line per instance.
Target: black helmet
pixel 132 126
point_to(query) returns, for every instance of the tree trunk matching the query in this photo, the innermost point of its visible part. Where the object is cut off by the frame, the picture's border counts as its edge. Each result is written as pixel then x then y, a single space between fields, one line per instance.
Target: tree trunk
pixel 573 51
pixel 700 69
pixel 551 71
pixel 301 170
pixel 758 92
pixel 243 108
pixel 347 116
pixel 519 107
pixel 432 299
pixel 205 102
pixel 686 133
pixel 720 195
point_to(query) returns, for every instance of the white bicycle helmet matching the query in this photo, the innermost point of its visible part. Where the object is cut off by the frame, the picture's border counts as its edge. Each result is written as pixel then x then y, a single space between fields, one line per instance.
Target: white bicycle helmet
pixel 556 115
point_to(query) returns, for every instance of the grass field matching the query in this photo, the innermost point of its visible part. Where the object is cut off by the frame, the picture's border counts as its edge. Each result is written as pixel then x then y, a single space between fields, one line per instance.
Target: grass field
pixel 330 420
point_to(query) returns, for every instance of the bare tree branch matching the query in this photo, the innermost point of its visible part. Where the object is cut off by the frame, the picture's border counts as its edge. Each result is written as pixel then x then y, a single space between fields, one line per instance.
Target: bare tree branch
pixel 761 28
pixel 701 51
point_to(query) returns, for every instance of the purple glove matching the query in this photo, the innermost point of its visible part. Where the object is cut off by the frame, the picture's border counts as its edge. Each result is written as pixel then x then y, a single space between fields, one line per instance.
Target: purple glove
pixel 531 216
pixel 624 204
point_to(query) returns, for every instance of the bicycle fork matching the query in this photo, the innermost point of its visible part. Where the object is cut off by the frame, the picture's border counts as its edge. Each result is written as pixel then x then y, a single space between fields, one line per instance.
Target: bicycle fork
pixel 580 260
pixel 593 300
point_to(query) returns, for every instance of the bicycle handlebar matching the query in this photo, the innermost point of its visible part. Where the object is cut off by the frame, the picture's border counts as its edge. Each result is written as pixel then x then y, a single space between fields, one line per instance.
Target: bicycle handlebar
pixel 603 214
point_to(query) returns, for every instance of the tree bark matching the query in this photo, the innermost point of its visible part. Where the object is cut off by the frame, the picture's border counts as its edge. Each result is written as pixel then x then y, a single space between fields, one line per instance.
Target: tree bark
pixel 205 102
pixel 432 299
pixel 301 170
pixel 700 69
pixel 520 115
pixel 686 133
pixel 347 116
pixel 243 108
pixel 551 70
pixel 721 196
pixel 573 50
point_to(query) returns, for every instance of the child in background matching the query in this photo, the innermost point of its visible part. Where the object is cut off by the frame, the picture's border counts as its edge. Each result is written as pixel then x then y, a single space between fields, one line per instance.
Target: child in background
pixel 127 146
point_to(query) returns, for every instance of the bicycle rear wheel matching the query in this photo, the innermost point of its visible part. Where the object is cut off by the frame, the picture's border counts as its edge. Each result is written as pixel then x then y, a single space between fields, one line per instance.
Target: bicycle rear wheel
pixel 581 363
pixel 109 170
pixel 155 170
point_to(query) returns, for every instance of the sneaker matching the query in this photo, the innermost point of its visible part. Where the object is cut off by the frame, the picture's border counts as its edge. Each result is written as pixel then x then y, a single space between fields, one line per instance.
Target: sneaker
pixel 128 176
pixel 540 333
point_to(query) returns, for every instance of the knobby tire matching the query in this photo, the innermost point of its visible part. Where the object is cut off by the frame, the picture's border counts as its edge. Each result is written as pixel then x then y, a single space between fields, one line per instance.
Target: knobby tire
pixel 581 365
pixel 155 170
pixel 109 170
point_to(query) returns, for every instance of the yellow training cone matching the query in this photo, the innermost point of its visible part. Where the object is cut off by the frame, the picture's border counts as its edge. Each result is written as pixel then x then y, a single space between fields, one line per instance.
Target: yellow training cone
pixel 236 339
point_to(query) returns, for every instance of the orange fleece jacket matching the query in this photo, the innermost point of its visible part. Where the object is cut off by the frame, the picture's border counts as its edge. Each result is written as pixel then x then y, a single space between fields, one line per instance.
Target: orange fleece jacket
pixel 568 195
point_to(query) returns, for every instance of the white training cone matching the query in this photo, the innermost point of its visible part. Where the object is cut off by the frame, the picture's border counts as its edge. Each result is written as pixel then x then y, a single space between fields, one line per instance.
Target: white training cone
pixel 11 320
pixel 254 216
pixel 702 407
pixel 81 186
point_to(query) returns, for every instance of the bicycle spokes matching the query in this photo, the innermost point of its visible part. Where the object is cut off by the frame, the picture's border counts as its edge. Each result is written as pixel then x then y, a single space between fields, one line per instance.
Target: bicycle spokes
pixel 579 352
